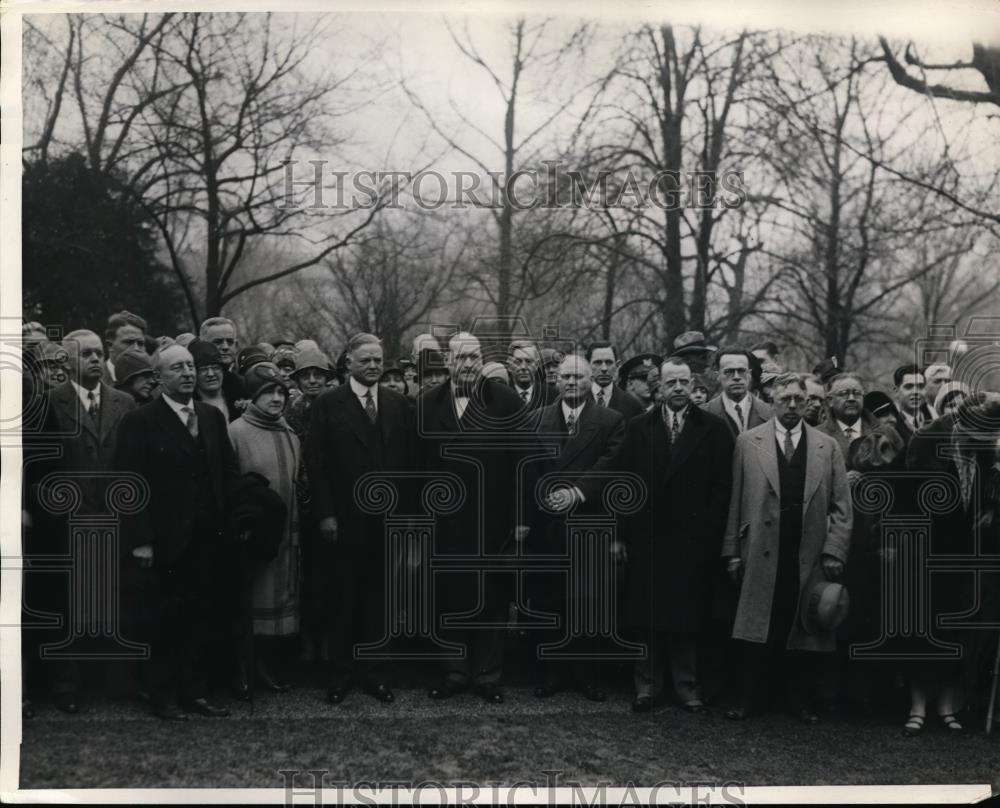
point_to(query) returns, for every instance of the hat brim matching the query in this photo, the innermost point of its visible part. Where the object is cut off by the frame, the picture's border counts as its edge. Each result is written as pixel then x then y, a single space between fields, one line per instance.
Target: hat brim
pixel 690 349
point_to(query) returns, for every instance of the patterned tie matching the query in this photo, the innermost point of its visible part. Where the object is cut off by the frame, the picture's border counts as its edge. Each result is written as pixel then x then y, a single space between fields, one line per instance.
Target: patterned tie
pixel 789 446
pixel 849 433
pixel 192 421
pixel 600 398
pixel 524 396
pixel 675 428
pixel 739 418
pixel 571 424
pixel 92 407
pixel 370 406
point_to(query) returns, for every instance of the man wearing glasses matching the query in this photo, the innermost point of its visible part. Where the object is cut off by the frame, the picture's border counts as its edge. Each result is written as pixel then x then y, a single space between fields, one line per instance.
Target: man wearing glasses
pixel 734 404
pixel 848 420
pixel 789 528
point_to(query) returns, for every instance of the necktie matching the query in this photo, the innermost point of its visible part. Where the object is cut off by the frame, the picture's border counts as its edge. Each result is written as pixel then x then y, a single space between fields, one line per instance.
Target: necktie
pixel 370 406
pixel 192 421
pixel 739 417
pixel 600 398
pixel 571 424
pixel 92 407
pixel 789 446
pixel 849 433
pixel 675 428
pixel 524 396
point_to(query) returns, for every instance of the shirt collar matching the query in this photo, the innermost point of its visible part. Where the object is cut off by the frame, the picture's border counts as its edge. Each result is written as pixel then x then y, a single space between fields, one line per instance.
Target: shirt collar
pixel 856 426
pixel 596 388
pixel 567 409
pixel 176 406
pixel 84 393
pixel 359 389
pixel 780 430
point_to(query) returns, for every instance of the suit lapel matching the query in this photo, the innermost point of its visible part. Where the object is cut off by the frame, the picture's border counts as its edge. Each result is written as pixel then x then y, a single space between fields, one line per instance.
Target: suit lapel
pixel 352 412
pixel 816 451
pixel 173 426
pixel 109 411
pixel 764 441
pixel 71 404
pixel 578 441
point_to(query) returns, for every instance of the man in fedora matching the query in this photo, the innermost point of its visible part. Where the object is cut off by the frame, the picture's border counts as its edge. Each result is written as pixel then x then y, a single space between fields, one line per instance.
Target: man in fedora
pixel 734 403
pixel 696 351
pixel 789 526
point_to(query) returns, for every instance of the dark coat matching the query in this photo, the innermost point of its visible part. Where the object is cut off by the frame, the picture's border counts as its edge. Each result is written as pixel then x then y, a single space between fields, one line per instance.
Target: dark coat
pixel 760 412
pixel 542 394
pixel 153 443
pixel 492 433
pixel 338 453
pixel 625 403
pixel 674 540
pixel 85 446
pixel 233 392
pixel 865 424
pixel 592 448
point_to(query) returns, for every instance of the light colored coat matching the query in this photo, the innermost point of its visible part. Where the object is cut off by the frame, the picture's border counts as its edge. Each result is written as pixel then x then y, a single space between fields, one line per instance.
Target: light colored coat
pixel 753 529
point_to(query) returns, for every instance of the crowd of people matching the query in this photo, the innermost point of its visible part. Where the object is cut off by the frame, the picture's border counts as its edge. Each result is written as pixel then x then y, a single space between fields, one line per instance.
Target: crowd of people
pixel 745 571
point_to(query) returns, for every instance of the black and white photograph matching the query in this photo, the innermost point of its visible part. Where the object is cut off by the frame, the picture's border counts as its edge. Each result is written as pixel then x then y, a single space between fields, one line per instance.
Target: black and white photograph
pixel 471 404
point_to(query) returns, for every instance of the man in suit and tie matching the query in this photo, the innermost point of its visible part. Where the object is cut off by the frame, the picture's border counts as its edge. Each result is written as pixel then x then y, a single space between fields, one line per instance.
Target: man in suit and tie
pixel 848 419
pixel 355 429
pixel 125 331
pixel 181 447
pixel 908 394
pixel 734 404
pixel 221 332
pixel 475 429
pixel 684 456
pixel 789 527
pixel 604 363
pixel 588 438
pixel 524 362
pixel 83 414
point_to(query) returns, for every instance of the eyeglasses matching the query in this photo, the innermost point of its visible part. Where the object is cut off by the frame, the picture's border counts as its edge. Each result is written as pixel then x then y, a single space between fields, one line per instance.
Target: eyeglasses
pixel 849 394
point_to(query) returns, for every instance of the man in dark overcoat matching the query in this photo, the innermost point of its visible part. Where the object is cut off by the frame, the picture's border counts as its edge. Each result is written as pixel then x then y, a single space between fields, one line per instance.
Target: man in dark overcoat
pixel 587 438
pixel 684 456
pixel 474 428
pixel 181 447
pixel 356 429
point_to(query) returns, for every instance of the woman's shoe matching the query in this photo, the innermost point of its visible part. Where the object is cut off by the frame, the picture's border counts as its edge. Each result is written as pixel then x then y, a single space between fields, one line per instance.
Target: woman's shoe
pixel 914 725
pixel 952 724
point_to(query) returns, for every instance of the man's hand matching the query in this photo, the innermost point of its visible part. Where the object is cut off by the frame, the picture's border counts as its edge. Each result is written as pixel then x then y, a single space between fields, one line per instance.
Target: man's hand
pixel 144 554
pixel 852 477
pixel 832 568
pixel 562 499
pixel 521 532
pixel 328 529
pixel 618 552
pixel 734 569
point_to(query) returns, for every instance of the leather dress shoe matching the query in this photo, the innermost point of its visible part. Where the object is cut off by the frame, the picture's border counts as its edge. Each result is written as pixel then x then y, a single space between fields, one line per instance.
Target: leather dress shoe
pixel 444 689
pixel 489 693
pixel 336 694
pixel 593 692
pixel 67 702
pixel 380 692
pixel 169 712
pixel 695 707
pixel 546 689
pixel 206 708
pixel 272 683
pixel 642 704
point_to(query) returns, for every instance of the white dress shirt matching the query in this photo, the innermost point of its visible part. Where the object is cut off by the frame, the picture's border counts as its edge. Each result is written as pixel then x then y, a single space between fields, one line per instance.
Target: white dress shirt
pixel 176 406
pixel 780 433
pixel 596 389
pixel 746 404
pixel 856 427
pixel 360 391
pixel 111 369
pixel 525 392
pixel 576 411
pixel 84 394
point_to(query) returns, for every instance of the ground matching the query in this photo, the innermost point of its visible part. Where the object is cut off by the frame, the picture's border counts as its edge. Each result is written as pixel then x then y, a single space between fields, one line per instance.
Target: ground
pixel 119 744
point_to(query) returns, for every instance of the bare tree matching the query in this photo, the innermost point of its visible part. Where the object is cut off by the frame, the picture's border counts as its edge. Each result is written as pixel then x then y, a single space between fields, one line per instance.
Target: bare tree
pixel 198 115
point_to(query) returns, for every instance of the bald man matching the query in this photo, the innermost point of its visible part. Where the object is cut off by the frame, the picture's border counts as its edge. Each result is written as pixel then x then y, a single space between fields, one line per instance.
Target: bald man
pixel 181 447
pixel 82 417
pixel 587 438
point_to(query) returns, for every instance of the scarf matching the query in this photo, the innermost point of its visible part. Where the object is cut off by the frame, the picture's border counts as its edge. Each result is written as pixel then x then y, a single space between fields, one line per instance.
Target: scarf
pixel 255 416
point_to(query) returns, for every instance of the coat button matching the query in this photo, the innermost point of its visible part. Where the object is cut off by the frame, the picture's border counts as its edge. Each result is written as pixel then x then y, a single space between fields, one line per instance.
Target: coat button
pixel 767 554
pixel 767 523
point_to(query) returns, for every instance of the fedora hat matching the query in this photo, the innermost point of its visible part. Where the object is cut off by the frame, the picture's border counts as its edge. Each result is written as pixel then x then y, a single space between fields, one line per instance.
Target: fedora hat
pixel 824 606
pixel 691 342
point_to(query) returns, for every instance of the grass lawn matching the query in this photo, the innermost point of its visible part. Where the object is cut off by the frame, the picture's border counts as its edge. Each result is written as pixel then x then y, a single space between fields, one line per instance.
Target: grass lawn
pixel 118 744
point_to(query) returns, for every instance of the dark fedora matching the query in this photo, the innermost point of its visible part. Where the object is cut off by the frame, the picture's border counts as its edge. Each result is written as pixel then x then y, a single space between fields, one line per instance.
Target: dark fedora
pixel 692 342
pixel 824 607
